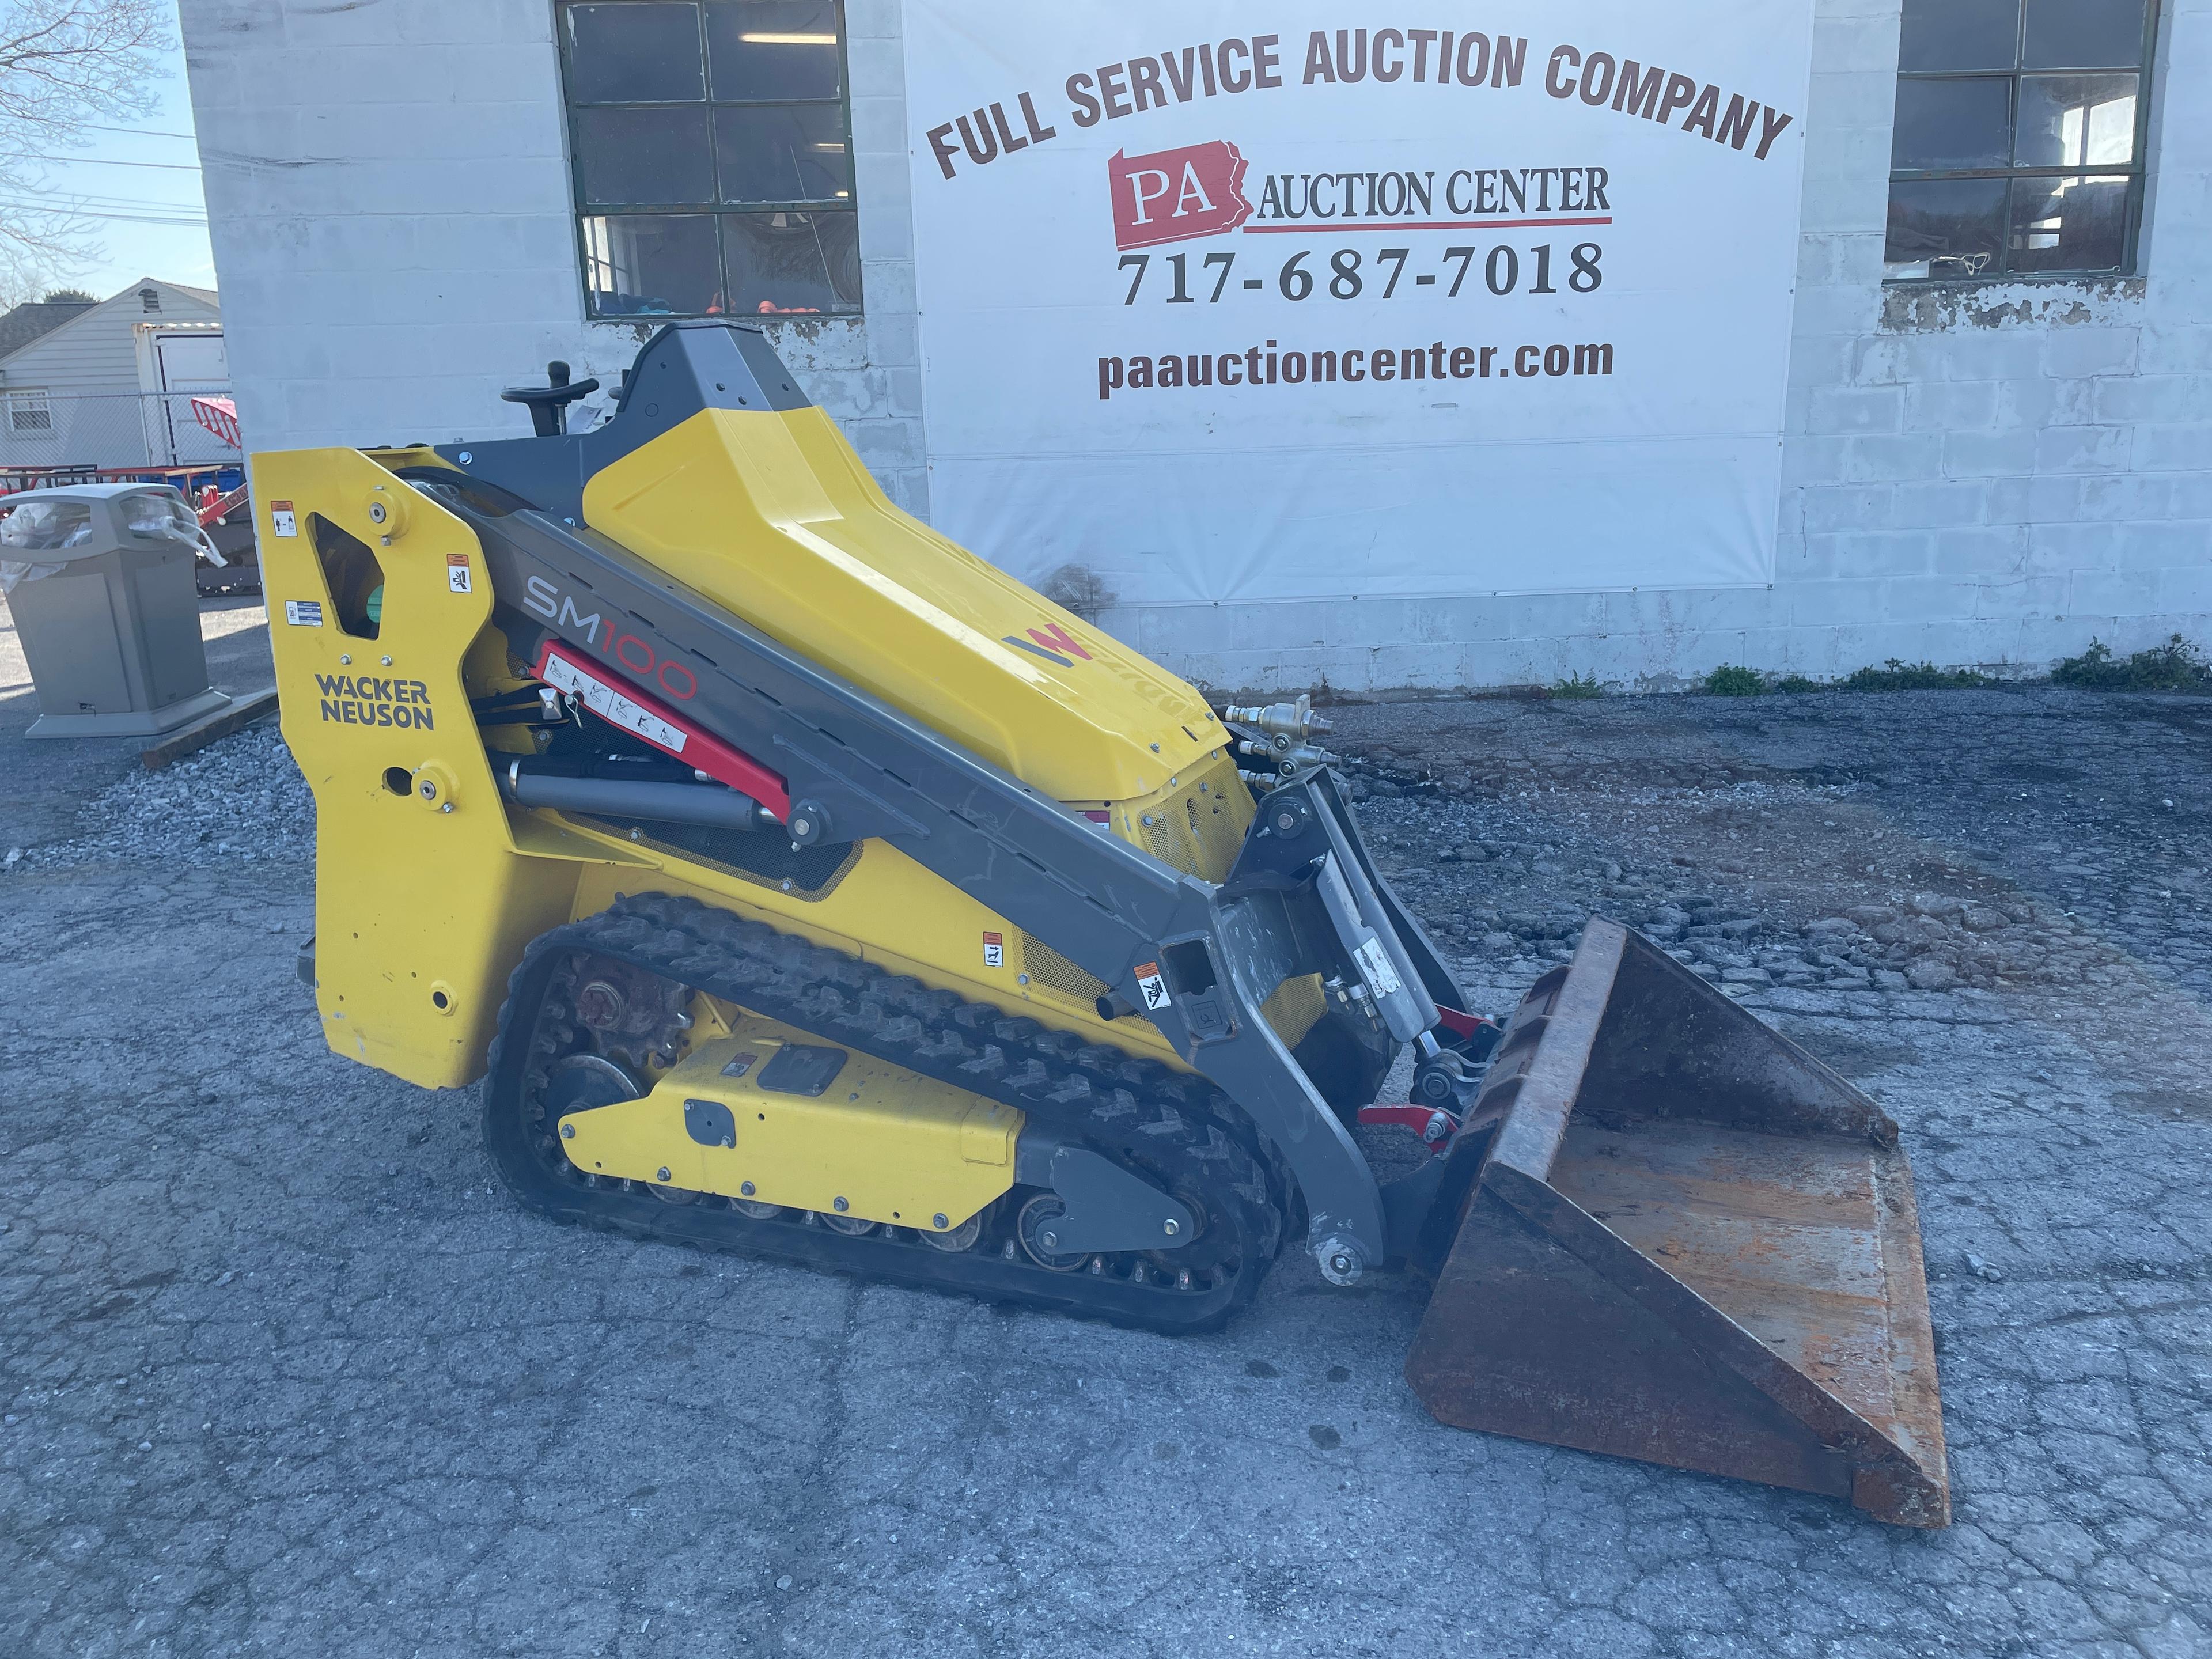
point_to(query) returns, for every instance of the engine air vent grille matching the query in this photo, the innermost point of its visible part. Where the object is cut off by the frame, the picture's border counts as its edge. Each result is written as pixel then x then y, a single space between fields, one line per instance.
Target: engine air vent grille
pixel 1047 967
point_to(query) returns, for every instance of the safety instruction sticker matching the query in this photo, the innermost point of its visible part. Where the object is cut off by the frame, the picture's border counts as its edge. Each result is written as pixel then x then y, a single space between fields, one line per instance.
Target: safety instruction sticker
pixel 609 705
pixel 1151 986
pixel 995 950
pixel 282 520
pixel 457 572
pixel 1381 977
pixel 303 613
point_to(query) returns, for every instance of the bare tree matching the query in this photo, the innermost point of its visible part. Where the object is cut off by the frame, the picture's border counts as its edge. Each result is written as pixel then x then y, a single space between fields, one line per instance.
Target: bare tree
pixel 64 64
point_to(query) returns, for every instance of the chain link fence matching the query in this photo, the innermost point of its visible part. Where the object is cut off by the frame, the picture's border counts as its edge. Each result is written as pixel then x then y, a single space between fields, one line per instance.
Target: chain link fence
pixel 186 438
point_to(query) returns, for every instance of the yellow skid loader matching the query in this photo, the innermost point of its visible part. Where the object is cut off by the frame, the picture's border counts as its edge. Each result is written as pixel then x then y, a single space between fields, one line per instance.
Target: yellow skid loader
pixel 802 886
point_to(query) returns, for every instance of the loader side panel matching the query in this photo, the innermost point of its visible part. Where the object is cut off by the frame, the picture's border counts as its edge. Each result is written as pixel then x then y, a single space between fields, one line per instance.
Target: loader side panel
pixel 422 901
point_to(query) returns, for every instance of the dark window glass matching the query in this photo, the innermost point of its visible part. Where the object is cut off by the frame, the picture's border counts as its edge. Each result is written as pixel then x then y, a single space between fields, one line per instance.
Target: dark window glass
pixel 661 264
pixel 782 264
pixel 1951 124
pixel 2068 224
pixel 2084 34
pixel 2018 143
pixel 712 105
pixel 2076 121
pixel 633 54
pixel 782 153
pixel 1964 34
pixel 773 49
pixel 1955 226
pixel 648 155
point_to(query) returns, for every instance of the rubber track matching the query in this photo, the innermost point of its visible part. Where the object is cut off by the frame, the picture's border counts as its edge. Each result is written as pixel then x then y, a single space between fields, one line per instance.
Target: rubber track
pixel 1160 1118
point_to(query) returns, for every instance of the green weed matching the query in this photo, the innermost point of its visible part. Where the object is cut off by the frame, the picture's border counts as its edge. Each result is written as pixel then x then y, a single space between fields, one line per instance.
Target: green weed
pixel 1898 675
pixel 2177 666
pixel 1575 687
pixel 1730 681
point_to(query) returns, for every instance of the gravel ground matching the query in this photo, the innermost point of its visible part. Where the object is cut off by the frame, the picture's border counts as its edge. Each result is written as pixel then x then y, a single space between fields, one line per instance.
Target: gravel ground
pixel 2014 857
pixel 44 784
pixel 241 799
pixel 285 1372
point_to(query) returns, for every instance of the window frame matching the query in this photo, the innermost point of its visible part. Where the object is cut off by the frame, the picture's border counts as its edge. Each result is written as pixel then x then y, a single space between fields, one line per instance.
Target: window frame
pixel 30 400
pixel 2135 170
pixel 580 208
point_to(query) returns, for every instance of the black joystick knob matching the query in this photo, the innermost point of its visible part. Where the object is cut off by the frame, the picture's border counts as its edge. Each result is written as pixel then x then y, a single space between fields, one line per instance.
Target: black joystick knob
pixel 549 403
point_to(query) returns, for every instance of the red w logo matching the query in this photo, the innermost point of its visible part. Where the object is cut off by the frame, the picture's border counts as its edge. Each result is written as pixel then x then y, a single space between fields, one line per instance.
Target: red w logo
pixel 1053 643
pixel 1054 638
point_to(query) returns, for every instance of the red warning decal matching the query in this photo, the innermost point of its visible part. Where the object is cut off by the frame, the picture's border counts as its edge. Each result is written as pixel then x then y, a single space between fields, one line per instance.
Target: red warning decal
pixel 619 703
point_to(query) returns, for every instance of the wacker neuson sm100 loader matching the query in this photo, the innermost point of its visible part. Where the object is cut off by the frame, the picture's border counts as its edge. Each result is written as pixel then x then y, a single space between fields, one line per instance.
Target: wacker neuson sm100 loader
pixel 800 884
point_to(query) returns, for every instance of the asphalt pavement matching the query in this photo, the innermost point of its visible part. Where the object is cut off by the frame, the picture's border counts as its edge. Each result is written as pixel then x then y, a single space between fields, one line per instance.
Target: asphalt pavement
pixel 284 1371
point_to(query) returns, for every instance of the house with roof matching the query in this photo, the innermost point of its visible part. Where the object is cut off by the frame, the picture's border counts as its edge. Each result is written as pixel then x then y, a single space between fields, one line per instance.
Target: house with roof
pixel 23 324
pixel 90 387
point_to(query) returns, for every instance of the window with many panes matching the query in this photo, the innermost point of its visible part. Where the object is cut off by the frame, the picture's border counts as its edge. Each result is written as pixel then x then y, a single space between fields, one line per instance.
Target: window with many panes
pixel 711 153
pixel 2019 144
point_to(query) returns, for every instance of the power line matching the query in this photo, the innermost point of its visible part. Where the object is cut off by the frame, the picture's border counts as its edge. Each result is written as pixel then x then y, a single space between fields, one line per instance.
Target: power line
pixel 60 203
pixel 130 218
pixel 12 185
pixel 104 214
pixel 101 161
pixel 142 132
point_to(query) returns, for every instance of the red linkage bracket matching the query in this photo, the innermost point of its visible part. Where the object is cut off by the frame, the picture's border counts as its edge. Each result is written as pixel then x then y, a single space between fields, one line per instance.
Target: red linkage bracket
pixel 620 703
pixel 1462 1026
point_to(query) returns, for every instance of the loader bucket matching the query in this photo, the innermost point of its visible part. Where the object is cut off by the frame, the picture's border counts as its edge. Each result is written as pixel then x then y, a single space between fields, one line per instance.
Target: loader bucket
pixel 1687 1242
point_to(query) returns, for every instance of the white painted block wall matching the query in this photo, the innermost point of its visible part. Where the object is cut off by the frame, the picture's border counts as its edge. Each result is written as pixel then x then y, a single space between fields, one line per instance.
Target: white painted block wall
pixel 1989 484
pixel 388 190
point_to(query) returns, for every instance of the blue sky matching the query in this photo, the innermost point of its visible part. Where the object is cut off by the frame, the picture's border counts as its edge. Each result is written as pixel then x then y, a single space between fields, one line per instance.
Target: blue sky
pixel 148 173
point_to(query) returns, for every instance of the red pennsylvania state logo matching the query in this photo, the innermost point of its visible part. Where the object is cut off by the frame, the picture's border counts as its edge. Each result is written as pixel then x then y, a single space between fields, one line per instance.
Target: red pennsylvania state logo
pixel 1173 195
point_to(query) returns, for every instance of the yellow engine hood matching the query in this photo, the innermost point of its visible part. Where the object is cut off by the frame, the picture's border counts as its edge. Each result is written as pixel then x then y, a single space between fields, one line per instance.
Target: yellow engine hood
pixel 773 516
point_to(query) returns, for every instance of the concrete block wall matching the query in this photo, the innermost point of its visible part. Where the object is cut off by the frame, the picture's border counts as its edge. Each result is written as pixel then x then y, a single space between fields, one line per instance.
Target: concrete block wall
pixel 388 198
pixel 1990 478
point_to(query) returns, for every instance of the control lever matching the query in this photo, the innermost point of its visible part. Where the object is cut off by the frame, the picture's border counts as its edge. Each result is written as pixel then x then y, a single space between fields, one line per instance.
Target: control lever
pixel 549 403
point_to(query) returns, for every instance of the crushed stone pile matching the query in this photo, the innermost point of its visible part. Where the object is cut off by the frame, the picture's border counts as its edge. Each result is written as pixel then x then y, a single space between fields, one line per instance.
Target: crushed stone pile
pixel 241 797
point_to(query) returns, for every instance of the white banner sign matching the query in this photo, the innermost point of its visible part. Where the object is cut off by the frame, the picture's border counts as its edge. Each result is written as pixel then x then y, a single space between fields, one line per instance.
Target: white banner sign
pixel 1343 304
